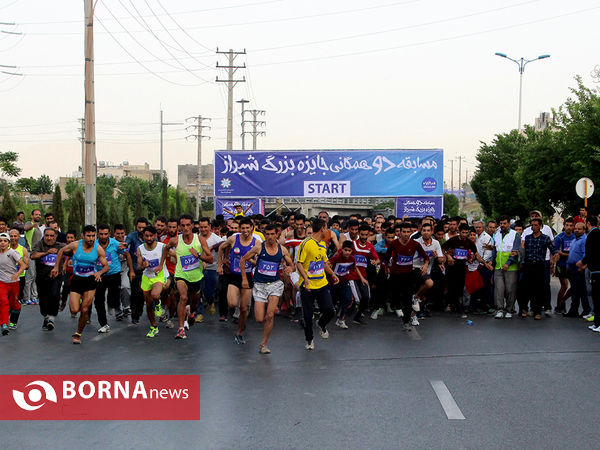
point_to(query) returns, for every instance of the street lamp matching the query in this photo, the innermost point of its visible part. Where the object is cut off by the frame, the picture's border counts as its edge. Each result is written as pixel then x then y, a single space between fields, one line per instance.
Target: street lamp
pixel 521 63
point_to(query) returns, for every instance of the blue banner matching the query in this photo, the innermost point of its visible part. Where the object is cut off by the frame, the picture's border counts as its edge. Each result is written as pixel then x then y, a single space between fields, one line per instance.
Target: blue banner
pixel 329 173
pixel 250 206
pixel 419 207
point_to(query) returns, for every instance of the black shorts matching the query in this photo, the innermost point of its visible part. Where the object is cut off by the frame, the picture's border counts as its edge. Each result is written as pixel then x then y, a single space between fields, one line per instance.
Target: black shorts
pixel 561 271
pixel 420 279
pixel 192 287
pixel 236 280
pixel 80 285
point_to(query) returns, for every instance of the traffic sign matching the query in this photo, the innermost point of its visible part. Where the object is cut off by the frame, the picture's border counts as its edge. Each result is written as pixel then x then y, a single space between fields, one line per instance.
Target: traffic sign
pixel 584 188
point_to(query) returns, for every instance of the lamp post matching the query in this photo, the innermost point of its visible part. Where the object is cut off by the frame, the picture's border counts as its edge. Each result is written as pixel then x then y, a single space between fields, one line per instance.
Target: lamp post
pixel 521 63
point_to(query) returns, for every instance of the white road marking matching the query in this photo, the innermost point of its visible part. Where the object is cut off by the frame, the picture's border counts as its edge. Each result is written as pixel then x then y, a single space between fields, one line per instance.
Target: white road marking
pixel 450 407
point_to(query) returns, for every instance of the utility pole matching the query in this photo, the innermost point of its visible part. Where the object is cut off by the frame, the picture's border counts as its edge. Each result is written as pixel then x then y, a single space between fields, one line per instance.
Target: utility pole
pixel 198 136
pixel 162 125
pixel 90 166
pixel 466 182
pixel 452 176
pixel 255 123
pixel 82 139
pixel 460 158
pixel 231 82
pixel 242 102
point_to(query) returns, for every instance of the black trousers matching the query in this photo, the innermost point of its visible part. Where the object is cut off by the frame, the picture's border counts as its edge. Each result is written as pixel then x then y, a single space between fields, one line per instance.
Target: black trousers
pixel 49 294
pixel 380 292
pixel 402 288
pixel 534 281
pixel 137 296
pixel 456 285
pixel 323 298
pixel 112 285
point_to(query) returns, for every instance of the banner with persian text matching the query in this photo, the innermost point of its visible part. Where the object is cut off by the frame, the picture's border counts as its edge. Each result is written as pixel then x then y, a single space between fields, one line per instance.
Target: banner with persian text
pixel 419 207
pixel 329 173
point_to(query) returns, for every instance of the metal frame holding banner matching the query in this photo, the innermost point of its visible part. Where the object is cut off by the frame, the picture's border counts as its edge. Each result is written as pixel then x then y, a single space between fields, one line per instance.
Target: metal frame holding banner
pixel 251 206
pixel 420 206
pixel 329 173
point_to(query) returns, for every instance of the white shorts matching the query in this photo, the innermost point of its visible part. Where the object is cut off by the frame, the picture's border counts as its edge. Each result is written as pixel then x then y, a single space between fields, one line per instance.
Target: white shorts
pixel 262 291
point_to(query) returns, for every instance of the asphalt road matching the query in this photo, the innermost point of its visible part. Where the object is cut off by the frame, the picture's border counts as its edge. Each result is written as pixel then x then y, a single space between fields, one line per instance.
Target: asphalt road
pixel 517 383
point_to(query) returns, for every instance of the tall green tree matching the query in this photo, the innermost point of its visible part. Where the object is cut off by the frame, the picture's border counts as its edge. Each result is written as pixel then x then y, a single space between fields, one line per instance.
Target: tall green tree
pixel 126 216
pixel 450 205
pixel 44 185
pixel 101 210
pixel 57 207
pixel 164 197
pixel 113 214
pixel 139 206
pixel 178 202
pixel 8 164
pixel 8 209
pixel 77 212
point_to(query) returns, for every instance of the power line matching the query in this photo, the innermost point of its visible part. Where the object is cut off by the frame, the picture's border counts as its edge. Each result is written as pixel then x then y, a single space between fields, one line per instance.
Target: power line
pixel 432 41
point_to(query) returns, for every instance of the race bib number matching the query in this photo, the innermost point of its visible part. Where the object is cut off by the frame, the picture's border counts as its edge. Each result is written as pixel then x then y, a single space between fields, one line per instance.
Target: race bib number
pixel 461 253
pixel 84 270
pixel 152 263
pixel 189 262
pixel 429 253
pixel 567 246
pixel 49 260
pixel 361 261
pixel 342 269
pixel 108 260
pixel 316 269
pixel 267 268
pixel 404 260
pixel 236 266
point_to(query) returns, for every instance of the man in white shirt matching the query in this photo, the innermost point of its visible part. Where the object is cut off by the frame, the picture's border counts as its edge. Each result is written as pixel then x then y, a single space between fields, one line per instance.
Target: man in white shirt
pixel 485 244
pixel 536 214
pixel 210 271
pixel 434 250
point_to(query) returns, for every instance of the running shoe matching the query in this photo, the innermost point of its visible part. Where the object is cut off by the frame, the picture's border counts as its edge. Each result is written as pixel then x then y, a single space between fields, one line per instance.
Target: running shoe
pixel 169 324
pixel 239 339
pixel 191 319
pixel 104 329
pixel 374 314
pixel 499 315
pixel 153 332
pixel 591 318
pixel 186 325
pixel 165 316
pixel 587 316
pixel 414 321
pixel 50 325
pixel 399 313
pixel 199 318
pixel 310 345
pixel 158 310
pixel 537 317
pixel 120 316
pixel 548 312
pixel 4 329
pixel 77 338
pixel 12 326
pixel 359 320
pixel 263 349
pixel 211 309
pixel 323 332
pixel 35 301
pixel 415 304
pixel 508 315
pixel 463 316
pixel 127 311
pixel 341 324
pixel 181 334
pixel 45 325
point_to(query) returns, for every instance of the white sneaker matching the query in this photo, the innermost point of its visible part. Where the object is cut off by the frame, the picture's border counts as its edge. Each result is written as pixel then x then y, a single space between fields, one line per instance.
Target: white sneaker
pixel 375 314
pixel 499 315
pixel 399 313
pixel 548 312
pixel 389 308
pixel 324 333
pixel 341 324
pixel 104 329
pixel 593 328
pixel 186 325
pixel 415 304
pixel 508 315
pixel 587 316
pixel 414 321
pixel 170 324
pixel 310 345
pixel 236 313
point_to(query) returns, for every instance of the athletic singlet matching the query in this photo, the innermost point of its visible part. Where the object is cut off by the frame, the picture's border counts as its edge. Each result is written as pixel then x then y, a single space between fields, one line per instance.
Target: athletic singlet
pixel 188 266
pixel 153 257
pixel 19 250
pixel 84 263
pixel 236 253
pixel 267 266
pixel 293 243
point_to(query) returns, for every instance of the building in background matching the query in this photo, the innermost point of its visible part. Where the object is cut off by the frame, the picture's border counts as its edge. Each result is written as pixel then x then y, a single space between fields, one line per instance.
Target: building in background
pixel 187 175
pixel 125 169
pixel 545 120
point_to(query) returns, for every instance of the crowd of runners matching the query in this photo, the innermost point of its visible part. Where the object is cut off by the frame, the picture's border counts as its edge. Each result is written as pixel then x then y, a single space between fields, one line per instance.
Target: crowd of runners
pixel 342 270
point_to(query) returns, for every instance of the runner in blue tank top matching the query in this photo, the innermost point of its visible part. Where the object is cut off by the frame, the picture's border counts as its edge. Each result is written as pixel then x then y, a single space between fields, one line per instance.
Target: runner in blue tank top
pixel 268 286
pixel 86 276
pixel 239 245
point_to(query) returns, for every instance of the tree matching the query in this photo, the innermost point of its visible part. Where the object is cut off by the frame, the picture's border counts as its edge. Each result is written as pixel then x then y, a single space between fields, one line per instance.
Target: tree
pixel 8 209
pixel 138 206
pixel 44 185
pixel 126 217
pixel 450 205
pixel 8 164
pixel 70 187
pixel 57 207
pixel 27 185
pixel 77 211
pixel 164 196
pixel 178 207
pixel 101 210
pixel 113 215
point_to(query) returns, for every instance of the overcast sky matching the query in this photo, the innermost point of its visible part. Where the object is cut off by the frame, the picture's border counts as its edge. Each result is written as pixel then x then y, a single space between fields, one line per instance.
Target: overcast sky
pixel 330 74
